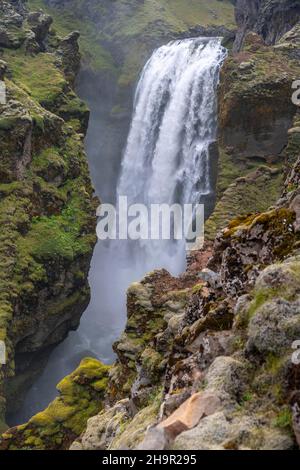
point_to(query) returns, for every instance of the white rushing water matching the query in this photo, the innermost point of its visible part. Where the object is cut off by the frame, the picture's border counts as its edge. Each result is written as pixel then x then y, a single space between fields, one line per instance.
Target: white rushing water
pixel 166 160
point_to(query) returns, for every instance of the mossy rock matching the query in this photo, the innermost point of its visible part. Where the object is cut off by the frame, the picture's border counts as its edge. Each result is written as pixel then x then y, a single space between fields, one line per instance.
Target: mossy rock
pixel 81 396
pixel 239 195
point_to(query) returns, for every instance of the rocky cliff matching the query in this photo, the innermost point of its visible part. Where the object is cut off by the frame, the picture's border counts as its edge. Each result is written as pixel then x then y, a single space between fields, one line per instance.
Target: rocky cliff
pixel 47 209
pixel 269 18
pixel 205 361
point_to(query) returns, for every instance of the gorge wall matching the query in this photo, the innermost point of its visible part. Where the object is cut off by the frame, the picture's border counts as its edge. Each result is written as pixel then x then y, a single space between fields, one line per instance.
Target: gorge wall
pixel 46 198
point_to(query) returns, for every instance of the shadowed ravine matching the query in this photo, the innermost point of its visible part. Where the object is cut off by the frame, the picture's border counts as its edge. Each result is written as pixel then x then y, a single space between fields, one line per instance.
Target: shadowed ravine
pixel 167 159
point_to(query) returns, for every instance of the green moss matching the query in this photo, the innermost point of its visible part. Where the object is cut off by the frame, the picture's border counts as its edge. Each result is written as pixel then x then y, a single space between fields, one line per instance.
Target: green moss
pixel 249 193
pixel 66 417
pixel 47 216
pixel 135 429
pixel 57 236
pixel 261 297
pixel 247 397
pixel 7 188
pixel 94 54
pixel 122 23
pixel 274 364
pixel 7 123
pixel 49 160
pixel 284 419
pixel 151 363
pixel 31 73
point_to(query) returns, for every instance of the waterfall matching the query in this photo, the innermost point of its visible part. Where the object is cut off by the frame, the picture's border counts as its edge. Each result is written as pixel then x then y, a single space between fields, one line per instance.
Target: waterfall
pixel 166 160
pixel 167 155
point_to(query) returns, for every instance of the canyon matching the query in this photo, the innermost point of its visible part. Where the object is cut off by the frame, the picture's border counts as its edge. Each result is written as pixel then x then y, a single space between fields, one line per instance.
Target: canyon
pixel 204 361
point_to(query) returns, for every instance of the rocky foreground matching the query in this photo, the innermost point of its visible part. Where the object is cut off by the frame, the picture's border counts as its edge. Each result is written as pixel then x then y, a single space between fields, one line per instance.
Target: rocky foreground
pixel 205 361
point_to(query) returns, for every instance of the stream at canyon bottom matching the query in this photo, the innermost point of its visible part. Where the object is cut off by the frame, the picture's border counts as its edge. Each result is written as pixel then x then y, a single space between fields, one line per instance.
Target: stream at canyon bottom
pixel 167 159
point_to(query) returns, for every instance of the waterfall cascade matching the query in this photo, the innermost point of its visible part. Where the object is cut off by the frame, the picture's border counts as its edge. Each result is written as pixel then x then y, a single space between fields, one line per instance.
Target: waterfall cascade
pixel 166 160
pixel 174 122
pixel 167 156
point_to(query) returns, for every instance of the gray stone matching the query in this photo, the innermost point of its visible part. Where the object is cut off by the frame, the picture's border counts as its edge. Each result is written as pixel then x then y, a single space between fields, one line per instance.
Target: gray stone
pixel 227 375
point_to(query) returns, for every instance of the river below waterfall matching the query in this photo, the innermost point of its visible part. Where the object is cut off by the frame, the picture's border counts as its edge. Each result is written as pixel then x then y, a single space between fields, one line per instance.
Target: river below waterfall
pixel 166 160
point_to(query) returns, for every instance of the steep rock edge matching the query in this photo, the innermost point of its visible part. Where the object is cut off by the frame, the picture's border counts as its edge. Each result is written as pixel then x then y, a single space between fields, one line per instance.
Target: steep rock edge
pixel 216 372
pixel 81 396
pixel 255 110
pixel 47 208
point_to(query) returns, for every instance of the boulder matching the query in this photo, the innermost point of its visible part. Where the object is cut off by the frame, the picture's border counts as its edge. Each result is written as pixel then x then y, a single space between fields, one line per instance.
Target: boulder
pixel 39 23
pixel 103 428
pixel 188 415
pixel 274 319
pixel 227 375
pixel 226 432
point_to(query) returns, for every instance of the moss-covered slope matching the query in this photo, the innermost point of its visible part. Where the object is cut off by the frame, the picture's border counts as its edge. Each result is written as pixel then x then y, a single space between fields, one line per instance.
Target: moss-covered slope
pixel 131 26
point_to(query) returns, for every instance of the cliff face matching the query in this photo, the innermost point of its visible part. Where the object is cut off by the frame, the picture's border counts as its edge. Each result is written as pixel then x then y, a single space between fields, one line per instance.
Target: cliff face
pixel 269 18
pixel 255 114
pixel 80 397
pixel 46 198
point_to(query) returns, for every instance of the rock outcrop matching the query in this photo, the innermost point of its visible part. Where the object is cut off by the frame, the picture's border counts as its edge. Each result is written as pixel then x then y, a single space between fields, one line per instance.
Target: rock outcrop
pixel 216 372
pixel 47 210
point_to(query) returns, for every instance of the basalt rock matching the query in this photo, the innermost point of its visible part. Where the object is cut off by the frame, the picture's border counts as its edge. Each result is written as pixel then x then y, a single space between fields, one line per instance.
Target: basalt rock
pixel 11 34
pixel 257 128
pixel 39 24
pixel 256 110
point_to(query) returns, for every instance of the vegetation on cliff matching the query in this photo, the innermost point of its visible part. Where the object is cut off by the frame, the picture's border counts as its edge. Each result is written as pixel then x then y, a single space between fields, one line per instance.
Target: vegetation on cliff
pixel 116 35
pixel 46 198
pixel 255 115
